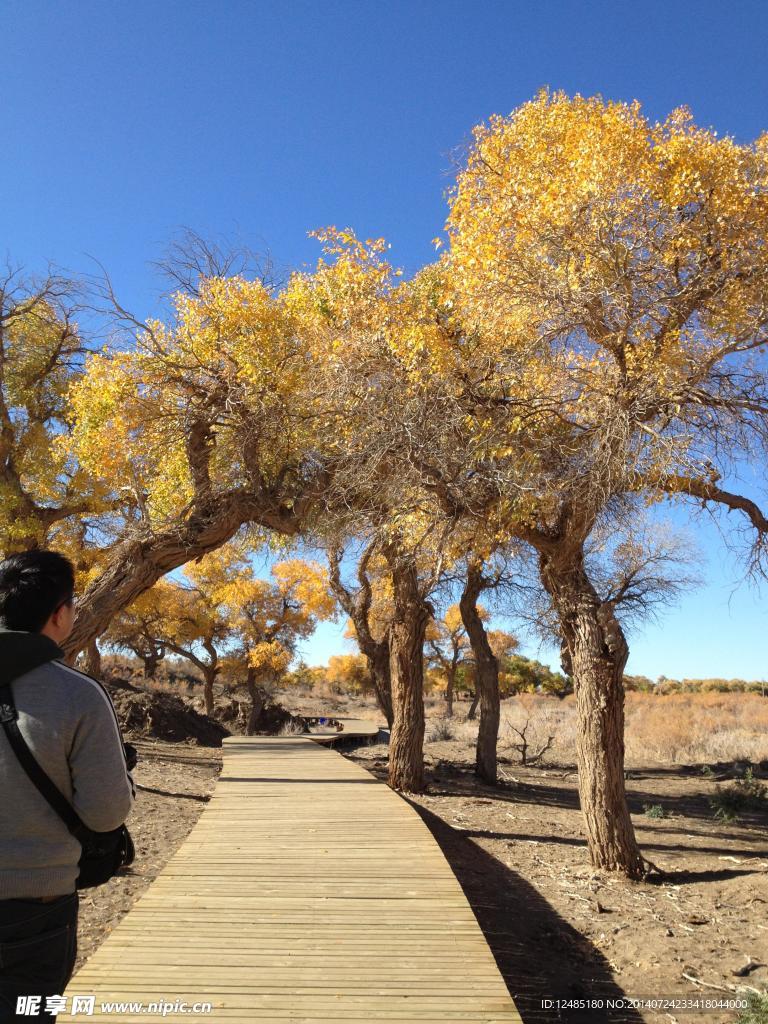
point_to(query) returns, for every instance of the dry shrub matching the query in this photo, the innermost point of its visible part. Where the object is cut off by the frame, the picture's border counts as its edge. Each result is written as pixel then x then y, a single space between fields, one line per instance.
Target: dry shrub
pixel 292 728
pixel 442 729
pixel 541 717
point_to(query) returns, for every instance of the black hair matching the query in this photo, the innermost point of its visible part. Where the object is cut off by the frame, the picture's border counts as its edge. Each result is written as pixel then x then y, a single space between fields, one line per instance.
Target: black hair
pixel 33 584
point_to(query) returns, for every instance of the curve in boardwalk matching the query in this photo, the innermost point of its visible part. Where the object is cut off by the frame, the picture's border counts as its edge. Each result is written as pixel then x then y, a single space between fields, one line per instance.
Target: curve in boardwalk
pixel 306 891
pixel 353 728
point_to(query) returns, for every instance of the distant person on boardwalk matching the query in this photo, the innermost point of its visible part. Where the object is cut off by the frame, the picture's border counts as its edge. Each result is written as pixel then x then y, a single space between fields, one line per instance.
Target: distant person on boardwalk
pixel 69 723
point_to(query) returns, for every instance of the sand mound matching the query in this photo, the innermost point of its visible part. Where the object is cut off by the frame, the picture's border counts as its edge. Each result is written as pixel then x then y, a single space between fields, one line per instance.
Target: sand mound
pixel 145 713
pixel 272 719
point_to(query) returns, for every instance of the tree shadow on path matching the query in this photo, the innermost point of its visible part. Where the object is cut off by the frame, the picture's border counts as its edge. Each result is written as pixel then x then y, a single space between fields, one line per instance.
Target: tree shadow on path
pixel 539 954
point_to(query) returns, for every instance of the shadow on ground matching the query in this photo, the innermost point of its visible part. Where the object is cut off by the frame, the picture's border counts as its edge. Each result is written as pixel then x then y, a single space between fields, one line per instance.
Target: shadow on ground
pixel 538 953
pixel 547 790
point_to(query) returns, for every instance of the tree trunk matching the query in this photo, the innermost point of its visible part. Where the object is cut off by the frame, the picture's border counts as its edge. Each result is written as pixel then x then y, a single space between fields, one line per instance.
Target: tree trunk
pixel 595 651
pixel 209 678
pixel 358 608
pixel 135 565
pixel 91 659
pixel 487 672
pixel 406 647
pixel 379 667
pixel 449 687
pixel 473 706
pixel 151 661
pixel 209 669
pixel 256 695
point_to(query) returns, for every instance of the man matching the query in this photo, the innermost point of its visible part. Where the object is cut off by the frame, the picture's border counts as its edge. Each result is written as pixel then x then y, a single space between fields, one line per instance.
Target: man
pixel 69 723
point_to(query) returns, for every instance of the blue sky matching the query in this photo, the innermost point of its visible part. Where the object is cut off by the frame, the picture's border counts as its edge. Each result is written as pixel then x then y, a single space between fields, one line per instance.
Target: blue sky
pixel 122 122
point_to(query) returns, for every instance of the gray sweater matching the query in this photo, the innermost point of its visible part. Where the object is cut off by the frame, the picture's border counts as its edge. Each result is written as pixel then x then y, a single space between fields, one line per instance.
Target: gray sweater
pixel 69 723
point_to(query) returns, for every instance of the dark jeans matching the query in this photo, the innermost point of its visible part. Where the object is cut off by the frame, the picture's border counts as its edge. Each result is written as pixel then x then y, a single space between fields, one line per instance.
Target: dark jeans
pixel 38 948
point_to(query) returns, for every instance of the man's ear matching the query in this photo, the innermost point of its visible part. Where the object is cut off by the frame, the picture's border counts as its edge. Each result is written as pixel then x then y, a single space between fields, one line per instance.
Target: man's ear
pixel 57 619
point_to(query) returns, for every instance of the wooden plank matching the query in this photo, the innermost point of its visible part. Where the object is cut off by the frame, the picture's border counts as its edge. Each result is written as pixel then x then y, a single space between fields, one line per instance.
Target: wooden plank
pixel 306 891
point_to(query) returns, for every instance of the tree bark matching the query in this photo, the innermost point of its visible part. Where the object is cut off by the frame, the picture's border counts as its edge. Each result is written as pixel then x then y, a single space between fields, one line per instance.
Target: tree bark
pixel 91 660
pixel 358 607
pixel 209 678
pixel 406 646
pixel 138 563
pixel 377 657
pixel 449 688
pixel 256 695
pixel 151 661
pixel 487 672
pixel 595 654
pixel 472 713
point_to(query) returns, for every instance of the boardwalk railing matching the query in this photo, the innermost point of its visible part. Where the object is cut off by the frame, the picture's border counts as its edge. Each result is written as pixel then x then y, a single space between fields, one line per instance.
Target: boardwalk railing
pixel 306 891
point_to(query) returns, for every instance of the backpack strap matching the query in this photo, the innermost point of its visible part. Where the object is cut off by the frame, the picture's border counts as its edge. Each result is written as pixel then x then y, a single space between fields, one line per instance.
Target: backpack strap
pixel 8 718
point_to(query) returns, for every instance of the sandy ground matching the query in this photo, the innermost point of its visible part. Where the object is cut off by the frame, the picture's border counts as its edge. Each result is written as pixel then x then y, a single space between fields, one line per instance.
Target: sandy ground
pixel 559 930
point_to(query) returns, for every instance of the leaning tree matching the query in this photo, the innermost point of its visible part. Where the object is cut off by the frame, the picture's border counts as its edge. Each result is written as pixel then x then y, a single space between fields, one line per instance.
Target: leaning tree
pixel 205 422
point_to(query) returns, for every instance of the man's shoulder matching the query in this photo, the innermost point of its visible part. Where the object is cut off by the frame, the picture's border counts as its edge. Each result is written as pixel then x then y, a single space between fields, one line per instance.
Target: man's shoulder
pixel 80 687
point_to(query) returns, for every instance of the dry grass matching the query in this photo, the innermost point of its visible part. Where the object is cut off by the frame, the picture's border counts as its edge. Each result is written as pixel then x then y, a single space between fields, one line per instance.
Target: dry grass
pixel 677 729
pixel 689 728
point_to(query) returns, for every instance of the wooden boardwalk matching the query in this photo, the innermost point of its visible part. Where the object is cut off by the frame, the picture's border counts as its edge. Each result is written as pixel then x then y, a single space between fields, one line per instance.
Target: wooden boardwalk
pixel 355 728
pixel 306 891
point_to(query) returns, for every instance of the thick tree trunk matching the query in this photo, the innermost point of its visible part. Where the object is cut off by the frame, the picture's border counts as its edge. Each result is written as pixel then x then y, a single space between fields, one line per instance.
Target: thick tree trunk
pixel 406 646
pixel 90 659
pixel 596 653
pixel 487 671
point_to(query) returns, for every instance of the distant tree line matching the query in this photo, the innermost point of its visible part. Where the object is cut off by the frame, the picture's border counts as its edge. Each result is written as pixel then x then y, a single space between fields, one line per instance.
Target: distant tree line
pixel 663 685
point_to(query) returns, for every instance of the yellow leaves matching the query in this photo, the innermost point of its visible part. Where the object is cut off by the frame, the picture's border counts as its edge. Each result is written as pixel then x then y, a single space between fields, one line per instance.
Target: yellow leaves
pixel 618 260
pixel 40 356
pixel 230 363
pixel 345 293
pixel 570 201
pixel 594 261
pixel 269 658
pixel 235 330
pixel 502 643
pixel 452 619
pixel 223 605
pixel 306 583
pixel 120 433
pixel 348 673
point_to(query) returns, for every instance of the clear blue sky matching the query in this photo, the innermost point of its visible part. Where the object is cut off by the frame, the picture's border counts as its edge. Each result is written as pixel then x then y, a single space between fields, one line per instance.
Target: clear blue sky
pixel 122 122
